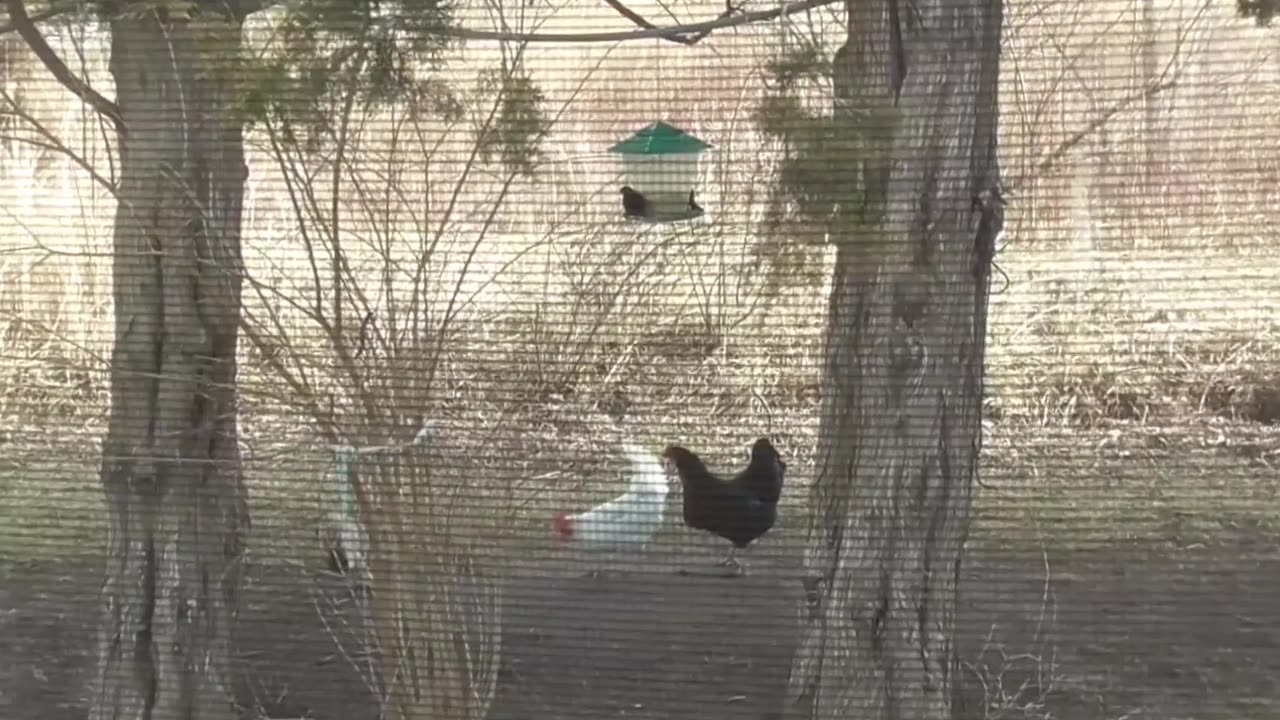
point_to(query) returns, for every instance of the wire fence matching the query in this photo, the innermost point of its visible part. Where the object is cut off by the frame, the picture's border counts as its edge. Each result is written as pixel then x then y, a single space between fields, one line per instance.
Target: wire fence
pixel 646 360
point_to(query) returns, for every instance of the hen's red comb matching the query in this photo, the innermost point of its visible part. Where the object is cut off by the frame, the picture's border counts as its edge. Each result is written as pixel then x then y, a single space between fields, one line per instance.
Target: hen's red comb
pixel 563 525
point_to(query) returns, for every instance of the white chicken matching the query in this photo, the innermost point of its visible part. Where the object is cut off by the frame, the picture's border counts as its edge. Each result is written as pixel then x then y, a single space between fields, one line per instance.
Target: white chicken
pixel 630 520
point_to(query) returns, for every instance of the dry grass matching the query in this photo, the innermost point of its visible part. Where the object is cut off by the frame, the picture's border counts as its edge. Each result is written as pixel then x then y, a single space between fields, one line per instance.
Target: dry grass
pixel 1018 683
pixel 1138 300
pixel 437 605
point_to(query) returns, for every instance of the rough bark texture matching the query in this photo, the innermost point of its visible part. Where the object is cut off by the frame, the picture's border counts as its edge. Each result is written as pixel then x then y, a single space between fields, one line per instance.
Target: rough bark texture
pixel 900 433
pixel 171 464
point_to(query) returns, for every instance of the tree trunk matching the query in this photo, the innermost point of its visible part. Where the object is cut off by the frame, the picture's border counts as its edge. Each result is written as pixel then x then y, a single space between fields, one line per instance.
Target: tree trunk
pixel 900 428
pixel 171 462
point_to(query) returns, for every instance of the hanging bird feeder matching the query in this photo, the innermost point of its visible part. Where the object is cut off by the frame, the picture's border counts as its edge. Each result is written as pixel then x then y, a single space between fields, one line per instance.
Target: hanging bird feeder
pixel 660 162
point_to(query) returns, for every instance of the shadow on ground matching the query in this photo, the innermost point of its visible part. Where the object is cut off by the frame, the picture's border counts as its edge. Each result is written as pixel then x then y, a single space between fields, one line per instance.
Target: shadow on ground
pixel 1120 633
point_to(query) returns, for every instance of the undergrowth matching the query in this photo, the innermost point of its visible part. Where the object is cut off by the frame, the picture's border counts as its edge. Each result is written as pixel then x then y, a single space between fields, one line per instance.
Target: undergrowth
pixel 1127 300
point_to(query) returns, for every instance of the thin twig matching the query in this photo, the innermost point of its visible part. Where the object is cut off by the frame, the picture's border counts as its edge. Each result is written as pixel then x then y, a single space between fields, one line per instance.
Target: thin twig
pixel 52 142
pixel 692 39
pixel 26 28
pixel 669 32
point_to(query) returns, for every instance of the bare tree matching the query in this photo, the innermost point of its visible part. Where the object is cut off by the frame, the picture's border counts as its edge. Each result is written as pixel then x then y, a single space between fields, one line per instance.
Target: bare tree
pixel 915 86
pixel 171 467
pixel 170 463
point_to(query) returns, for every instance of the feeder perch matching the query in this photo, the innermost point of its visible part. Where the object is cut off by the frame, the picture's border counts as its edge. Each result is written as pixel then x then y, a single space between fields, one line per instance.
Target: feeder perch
pixel 660 162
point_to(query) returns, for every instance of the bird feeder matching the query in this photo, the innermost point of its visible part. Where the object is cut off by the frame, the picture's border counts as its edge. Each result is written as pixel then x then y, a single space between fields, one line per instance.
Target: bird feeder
pixel 660 162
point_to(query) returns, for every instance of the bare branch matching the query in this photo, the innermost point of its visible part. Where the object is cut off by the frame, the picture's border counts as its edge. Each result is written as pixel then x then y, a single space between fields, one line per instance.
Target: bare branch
pixel 677 33
pixel 1167 80
pixel 26 27
pixel 52 142
pixel 244 8
pixel 686 34
pixel 635 17
pixel 1051 158
pixel 237 8
pixel 53 11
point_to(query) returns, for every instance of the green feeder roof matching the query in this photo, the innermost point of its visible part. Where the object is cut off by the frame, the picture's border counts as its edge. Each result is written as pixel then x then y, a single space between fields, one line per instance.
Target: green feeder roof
pixel 660 139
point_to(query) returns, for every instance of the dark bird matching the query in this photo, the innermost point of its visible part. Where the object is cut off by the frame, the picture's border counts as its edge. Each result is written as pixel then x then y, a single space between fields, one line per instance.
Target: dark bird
pixel 739 509
pixel 694 207
pixel 634 205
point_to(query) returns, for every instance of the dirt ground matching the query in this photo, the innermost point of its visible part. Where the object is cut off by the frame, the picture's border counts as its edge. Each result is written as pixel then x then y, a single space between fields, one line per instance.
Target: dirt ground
pixel 1124 633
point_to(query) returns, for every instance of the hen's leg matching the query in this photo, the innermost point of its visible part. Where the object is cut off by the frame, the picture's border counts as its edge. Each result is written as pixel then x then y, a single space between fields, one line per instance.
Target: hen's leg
pixel 588 562
pixel 603 563
pixel 599 565
pixel 731 561
pixel 594 567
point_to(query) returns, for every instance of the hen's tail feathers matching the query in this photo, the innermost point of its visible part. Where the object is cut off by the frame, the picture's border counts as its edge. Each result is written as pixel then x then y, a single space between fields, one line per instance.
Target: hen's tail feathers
pixel 646 472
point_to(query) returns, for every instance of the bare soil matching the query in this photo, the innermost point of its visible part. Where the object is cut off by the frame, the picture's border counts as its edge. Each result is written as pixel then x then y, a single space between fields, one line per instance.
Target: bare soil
pixel 1119 632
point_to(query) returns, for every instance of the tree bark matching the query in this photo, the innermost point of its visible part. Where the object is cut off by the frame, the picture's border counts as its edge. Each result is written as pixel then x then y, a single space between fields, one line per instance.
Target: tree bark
pixel 171 462
pixel 900 428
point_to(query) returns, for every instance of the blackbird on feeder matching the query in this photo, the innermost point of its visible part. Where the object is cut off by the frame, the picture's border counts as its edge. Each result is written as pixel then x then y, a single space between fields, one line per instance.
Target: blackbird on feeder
pixel 634 204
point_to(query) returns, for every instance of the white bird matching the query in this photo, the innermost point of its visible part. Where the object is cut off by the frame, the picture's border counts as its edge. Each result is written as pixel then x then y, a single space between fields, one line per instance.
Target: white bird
pixel 631 519
pixel 348 544
pixel 347 550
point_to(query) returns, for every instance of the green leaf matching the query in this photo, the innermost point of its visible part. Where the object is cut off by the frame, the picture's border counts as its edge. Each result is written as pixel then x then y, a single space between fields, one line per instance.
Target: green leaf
pixel 1262 11
pixel 520 124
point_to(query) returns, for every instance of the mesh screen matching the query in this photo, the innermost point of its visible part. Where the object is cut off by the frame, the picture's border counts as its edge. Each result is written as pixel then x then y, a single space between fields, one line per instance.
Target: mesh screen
pixel 544 360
